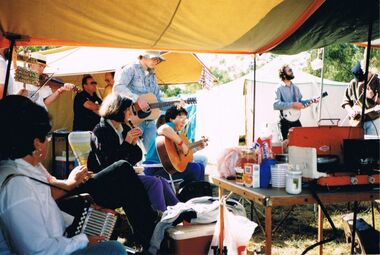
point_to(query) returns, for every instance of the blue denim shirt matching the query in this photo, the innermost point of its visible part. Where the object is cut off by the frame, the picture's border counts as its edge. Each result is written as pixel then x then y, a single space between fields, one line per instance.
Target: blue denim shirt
pixel 133 81
pixel 286 95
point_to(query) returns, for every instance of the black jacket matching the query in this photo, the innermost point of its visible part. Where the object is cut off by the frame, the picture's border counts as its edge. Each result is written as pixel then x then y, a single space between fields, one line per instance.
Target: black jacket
pixel 106 148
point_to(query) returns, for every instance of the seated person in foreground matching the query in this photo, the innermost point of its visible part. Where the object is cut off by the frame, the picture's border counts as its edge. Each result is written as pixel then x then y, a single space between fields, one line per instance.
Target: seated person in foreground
pixel 114 140
pixel 175 118
pixel 31 221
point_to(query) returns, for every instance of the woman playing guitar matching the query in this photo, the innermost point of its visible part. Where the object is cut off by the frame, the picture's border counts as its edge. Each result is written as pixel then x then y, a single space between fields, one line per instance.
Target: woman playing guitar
pixel 176 118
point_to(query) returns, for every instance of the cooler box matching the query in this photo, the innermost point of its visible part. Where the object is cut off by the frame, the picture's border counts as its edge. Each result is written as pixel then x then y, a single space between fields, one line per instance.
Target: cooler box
pixel 60 171
pixel 327 140
pixel 188 239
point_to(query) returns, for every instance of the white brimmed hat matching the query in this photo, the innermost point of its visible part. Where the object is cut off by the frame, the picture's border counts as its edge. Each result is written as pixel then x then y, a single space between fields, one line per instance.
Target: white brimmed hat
pixel 41 59
pixel 153 54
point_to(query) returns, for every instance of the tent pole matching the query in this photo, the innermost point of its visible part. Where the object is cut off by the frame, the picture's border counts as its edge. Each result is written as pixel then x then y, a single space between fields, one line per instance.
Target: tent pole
pixel 367 63
pixel 8 73
pixel 254 99
pixel 322 77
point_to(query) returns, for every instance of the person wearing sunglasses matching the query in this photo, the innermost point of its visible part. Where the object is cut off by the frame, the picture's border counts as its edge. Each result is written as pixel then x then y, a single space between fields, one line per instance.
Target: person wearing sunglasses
pixel 86 106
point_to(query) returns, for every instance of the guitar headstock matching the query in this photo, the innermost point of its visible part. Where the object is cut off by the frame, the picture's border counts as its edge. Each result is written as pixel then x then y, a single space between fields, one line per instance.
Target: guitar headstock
pixel 191 100
pixel 205 140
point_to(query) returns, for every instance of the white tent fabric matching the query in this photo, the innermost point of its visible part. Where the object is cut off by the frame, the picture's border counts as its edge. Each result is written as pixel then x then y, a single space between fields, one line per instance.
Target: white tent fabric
pixel 83 60
pixel 221 111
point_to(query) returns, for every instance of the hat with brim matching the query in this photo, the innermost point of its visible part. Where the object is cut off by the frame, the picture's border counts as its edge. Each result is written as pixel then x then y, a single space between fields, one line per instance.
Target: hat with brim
pixel 40 58
pixel 153 54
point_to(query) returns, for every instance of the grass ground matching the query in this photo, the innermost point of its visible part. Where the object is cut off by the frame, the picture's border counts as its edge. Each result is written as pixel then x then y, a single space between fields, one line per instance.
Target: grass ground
pixel 300 228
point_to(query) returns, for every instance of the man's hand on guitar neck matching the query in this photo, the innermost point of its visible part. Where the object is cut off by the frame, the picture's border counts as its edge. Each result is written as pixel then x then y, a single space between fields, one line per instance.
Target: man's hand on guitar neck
pixel 297 105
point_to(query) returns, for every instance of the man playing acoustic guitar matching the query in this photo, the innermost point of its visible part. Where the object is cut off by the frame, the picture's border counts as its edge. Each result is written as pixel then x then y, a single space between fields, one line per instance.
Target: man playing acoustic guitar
pixel 353 98
pixel 288 96
pixel 136 80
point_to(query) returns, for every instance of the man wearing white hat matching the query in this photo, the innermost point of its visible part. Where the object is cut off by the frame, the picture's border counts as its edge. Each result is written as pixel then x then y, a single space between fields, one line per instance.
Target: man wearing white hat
pixel 139 79
pixel 42 95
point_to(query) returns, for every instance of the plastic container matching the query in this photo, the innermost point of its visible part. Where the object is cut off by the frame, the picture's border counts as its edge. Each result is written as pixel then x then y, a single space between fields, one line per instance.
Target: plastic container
pixel 278 172
pixel 256 176
pixel 265 173
pixel 294 181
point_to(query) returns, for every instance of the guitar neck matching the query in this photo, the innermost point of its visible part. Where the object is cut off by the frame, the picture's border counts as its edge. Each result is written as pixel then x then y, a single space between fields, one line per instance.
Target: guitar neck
pixel 195 144
pixel 162 104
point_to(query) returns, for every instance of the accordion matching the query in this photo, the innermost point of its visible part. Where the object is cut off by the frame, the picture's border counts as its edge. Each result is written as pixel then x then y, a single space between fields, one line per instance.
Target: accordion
pixel 94 222
pixel 89 218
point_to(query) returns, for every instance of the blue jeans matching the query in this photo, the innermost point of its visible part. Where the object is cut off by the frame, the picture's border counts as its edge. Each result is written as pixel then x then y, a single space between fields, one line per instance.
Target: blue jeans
pixel 149 132
pixel 372 127
pixel 107 247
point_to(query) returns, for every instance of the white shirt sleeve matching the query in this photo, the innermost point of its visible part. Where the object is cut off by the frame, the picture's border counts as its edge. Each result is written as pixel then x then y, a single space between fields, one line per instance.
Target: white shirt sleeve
pixel 29 229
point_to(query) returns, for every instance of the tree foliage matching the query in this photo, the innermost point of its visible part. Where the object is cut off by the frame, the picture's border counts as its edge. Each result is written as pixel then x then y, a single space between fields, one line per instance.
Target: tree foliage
pixel 339 60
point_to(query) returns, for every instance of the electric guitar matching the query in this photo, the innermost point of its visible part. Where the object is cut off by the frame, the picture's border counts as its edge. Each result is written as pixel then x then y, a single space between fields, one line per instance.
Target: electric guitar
pixel 154 108
pixel 355 121
pixel 295 114
pixel 172 158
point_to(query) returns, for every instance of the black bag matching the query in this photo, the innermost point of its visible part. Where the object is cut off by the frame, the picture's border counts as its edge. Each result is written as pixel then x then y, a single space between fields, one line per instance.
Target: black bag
pixel 194 189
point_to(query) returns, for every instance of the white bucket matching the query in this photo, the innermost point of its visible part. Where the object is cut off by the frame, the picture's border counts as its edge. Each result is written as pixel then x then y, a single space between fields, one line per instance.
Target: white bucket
pixel 293 181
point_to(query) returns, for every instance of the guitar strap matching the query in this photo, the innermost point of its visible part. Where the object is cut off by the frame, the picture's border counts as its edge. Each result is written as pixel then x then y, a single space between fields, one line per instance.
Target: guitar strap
pixel 3 228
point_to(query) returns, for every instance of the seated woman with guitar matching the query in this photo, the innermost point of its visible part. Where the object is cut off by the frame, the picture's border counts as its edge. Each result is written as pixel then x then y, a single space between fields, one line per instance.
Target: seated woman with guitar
pixel 30 220
pixel 114 140
pixel 180 152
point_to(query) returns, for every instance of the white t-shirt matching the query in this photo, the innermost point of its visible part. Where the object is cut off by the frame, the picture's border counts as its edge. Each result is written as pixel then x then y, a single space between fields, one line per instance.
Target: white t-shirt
pixel 35 93
pixel 3 70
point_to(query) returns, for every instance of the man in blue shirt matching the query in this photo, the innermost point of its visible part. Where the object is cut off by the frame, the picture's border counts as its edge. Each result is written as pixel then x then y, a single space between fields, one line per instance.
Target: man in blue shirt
pixel 136 80
pixel 288 96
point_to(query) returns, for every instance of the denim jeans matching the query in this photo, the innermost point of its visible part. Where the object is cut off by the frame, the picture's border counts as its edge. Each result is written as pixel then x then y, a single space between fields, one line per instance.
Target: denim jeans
pixel 107 247
pixel 149 132
pixel 372 127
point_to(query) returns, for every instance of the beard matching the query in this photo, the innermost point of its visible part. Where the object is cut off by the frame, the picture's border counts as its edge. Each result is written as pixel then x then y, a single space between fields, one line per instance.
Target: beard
pixel 289 77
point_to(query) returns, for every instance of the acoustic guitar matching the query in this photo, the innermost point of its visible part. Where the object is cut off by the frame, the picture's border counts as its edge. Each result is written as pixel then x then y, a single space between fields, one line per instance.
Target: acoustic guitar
pixel 355 122
pixel 172 158
pixel 154 108
pixel 295 114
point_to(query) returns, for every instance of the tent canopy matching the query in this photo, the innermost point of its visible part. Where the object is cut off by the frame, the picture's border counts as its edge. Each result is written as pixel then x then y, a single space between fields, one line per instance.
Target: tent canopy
pixel 246 26
pixel 68 61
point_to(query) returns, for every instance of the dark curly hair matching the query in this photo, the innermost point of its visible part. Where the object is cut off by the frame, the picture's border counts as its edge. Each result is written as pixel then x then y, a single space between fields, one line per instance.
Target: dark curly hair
pixel 173 112
pixel 22 122
pixel 282 72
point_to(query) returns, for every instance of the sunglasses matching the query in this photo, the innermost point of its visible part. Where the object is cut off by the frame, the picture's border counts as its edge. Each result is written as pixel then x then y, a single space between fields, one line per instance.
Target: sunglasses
pixel 93 83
